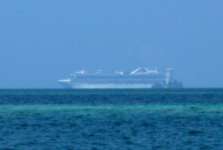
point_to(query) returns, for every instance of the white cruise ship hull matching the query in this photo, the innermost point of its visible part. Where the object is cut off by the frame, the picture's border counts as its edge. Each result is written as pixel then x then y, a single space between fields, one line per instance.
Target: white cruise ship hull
pixel 140 78
pixel 111 86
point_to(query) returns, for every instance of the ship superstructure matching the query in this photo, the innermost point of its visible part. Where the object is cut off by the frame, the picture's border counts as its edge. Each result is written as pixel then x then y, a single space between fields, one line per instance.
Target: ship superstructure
pixel 141 77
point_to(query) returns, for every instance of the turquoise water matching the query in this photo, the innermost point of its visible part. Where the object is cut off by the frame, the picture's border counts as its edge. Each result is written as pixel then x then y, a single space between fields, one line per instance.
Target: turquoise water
pixel 111 119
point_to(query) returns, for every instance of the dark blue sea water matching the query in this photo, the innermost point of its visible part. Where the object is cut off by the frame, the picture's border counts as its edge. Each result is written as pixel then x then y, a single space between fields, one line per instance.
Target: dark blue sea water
pixel 188 119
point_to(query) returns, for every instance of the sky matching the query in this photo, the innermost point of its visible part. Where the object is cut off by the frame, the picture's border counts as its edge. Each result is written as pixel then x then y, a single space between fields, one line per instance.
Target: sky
pixel 45 40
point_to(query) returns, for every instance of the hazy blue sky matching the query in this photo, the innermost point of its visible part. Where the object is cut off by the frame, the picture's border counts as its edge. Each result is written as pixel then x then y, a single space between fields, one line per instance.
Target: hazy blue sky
pixel 45 40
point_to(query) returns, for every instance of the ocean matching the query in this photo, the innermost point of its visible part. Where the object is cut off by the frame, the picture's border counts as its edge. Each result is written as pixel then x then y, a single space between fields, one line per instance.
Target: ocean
pixel 44 119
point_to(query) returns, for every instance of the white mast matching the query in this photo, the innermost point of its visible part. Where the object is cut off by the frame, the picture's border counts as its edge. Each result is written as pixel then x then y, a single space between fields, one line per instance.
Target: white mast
pixel 168 76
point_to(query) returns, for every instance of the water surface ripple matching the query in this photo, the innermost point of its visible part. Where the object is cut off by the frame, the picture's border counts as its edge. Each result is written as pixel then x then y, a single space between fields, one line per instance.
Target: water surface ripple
pixel 111 119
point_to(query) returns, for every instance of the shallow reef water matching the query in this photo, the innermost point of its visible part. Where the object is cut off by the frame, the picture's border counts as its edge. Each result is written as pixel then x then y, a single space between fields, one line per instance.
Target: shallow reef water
pixel 111 120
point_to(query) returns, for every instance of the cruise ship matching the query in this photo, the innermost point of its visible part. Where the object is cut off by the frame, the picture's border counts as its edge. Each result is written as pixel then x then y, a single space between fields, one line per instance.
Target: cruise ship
pixel 139 78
